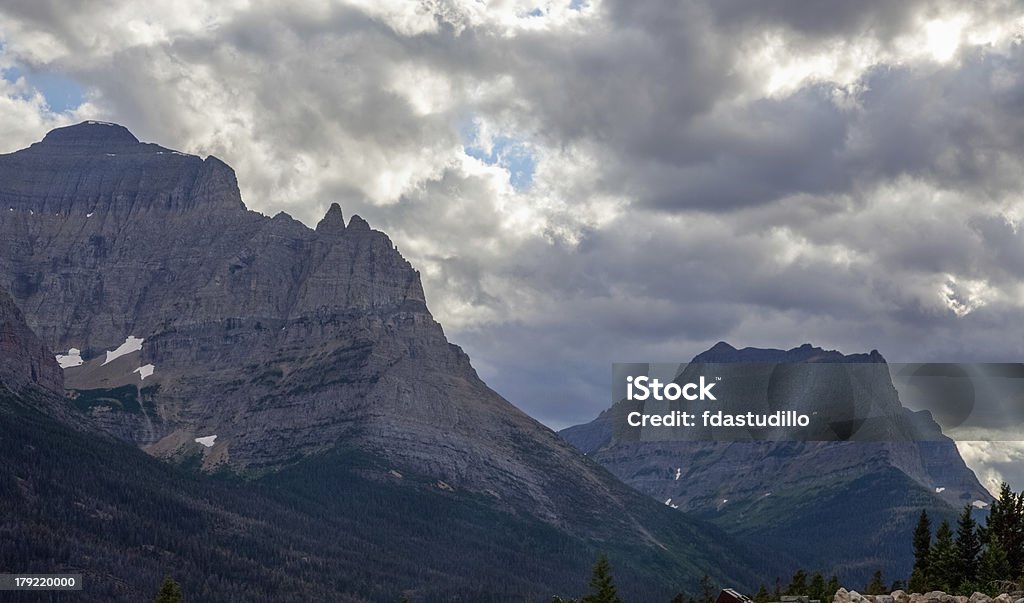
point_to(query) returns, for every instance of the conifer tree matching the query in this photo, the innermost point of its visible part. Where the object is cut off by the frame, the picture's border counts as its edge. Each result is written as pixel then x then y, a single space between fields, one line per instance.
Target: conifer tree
pixel 798 583
pixel 831 588
pixel 942 561
pixel 707 589
pixel 762 594
pixel 170 592
pixel 1006 524
pixel 876 586
pixel 602 587
pixel 922 547
pixel 817 588
pixel 967 547
pixel 992 566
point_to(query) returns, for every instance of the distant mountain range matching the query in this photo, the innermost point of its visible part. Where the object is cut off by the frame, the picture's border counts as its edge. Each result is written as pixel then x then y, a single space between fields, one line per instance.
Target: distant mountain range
pixel 846 507
pixel 346 450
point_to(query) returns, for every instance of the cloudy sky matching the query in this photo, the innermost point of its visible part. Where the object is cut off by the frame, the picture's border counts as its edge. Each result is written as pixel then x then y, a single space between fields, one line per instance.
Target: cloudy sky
pixel 589 181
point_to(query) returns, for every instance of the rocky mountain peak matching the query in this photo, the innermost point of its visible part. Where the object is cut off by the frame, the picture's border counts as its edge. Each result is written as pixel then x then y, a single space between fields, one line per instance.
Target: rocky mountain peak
pixel 722 352
pixel 722 347
pixel 358 224
pixel 102 170
pixel 333 221
pixel 89 135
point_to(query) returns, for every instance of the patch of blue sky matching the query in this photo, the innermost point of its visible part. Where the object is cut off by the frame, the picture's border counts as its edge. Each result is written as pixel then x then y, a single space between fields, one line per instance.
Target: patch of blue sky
pixel 512 154
pixel 61 92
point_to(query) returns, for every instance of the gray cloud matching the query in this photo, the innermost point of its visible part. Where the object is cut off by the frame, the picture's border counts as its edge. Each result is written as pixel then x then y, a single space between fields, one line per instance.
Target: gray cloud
pixel 767 174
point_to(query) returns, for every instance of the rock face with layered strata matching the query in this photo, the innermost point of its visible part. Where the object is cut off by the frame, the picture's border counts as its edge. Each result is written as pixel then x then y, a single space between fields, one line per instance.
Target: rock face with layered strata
pixel 280 340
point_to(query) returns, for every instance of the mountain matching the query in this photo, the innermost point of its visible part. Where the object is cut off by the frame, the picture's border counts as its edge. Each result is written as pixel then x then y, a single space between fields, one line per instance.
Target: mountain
pixel 75 501
pixel 303 365
pixel 840 506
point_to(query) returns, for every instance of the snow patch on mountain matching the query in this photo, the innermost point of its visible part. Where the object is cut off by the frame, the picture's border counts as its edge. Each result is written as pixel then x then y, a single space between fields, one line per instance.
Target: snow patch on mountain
pixel 144 371
pixel 72 358
pixel 206 440
pixel 131 344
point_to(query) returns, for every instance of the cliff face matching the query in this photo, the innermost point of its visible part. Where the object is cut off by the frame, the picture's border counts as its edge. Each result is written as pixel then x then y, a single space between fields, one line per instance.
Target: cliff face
pixel 280 340
pixel 24 361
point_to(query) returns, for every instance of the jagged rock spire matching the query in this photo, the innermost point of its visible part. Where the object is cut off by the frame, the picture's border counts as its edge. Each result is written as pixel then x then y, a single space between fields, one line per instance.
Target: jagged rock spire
pixel 333 221
pixel 357 223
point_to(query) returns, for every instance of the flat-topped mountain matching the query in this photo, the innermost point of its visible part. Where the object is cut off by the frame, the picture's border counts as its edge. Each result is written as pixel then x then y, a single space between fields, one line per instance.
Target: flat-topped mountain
pixel 866 492
pixel 212 335
pixel 102 169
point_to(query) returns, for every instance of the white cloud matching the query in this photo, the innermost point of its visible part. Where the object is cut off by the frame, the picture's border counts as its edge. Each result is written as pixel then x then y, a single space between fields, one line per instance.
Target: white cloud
pixel 994 462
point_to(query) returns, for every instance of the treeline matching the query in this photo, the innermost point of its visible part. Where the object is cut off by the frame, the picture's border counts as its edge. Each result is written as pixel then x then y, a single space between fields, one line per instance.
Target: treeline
pixel 603 588
pixel 814 586
pixel 974 558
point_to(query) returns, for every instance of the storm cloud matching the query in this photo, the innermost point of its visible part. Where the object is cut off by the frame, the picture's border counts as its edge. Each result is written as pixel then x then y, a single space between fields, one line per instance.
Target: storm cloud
pixel 588 182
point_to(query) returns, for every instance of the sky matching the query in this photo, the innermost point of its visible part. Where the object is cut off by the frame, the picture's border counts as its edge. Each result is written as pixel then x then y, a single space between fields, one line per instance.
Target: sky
pixel 599 181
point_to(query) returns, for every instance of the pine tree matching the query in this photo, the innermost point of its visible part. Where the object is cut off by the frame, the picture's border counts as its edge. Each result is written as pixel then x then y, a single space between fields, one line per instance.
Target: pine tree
pixel 679 598
pixel 922 548
pixel 831 588
pixel 942 561
pixel 602 587
pixel 918 582
pixel 876 586
pixel 967 548
pixel 707 589
pixel 817 589
pixel 992 566
pixel 798 583
pixel 1006 524
pixel 170 592
pixel 762 594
